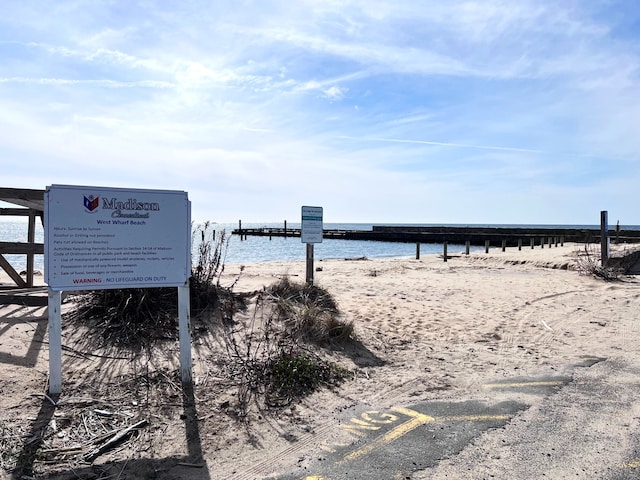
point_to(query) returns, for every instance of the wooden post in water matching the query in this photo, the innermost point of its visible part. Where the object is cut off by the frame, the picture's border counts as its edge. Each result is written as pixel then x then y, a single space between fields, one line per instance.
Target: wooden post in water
pixel 486 246
pixel 285 229
pixel 504 245
pixel 542 242
pixel 445 251
pixel 240 229
pixel 467 244
pixel 532 241
pixel 562 241
pixel 519 244
pixel 418 251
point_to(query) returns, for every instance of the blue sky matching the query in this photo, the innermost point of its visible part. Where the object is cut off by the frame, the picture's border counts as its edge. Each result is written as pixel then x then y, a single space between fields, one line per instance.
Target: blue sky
pixel 378 111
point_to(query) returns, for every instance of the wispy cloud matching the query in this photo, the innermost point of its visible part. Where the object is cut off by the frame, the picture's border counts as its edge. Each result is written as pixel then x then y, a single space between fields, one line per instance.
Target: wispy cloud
pixel 88 82
pixel 444 144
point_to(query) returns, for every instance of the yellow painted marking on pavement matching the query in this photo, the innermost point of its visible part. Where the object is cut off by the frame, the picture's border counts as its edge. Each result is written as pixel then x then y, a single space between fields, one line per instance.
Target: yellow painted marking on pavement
pixel 634 464
pixel 417 420
pixel 314 477
pixel 374 416
pixel 356 426
pixel 550 383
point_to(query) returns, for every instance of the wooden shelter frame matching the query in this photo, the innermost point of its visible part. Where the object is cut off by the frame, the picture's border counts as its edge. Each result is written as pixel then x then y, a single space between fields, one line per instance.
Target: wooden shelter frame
pixel 30 203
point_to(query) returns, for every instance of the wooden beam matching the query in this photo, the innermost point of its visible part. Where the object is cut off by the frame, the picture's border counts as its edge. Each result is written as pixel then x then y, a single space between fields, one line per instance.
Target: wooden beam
pixel 15 212
pixel 21 193
pixel 26 300
pixel 21 248
pixel 24 197
pixel 15 276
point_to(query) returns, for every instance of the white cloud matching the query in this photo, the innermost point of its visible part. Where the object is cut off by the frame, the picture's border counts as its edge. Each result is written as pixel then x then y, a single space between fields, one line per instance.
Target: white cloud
pixel 335 93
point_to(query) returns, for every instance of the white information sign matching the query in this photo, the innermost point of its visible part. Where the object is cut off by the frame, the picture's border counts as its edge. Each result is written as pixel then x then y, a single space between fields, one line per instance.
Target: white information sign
pixel 311 225
pixel 97 238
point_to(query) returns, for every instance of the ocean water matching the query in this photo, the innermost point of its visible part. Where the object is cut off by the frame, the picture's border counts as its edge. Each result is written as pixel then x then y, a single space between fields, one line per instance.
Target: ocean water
pixel 261 249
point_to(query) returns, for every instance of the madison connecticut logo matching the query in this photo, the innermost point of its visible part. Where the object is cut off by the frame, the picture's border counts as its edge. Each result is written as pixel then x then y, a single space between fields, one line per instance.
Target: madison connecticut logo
pixel 91 203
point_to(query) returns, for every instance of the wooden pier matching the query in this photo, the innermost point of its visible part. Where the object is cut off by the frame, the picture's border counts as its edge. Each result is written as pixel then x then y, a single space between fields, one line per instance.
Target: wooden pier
pixel 477 236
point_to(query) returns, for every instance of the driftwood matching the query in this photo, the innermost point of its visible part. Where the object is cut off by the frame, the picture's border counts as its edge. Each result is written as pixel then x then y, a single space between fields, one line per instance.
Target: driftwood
pixel 113 441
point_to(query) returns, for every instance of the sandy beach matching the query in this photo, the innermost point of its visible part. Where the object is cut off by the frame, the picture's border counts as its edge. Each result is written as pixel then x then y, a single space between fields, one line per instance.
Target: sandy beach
pixel 427 330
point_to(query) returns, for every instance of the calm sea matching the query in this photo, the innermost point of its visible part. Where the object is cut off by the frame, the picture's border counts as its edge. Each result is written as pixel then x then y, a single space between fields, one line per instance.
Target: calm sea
pixel 261 249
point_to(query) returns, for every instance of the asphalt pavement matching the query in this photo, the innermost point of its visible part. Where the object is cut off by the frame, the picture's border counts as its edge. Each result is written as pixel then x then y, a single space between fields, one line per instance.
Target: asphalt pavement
pixel 585 425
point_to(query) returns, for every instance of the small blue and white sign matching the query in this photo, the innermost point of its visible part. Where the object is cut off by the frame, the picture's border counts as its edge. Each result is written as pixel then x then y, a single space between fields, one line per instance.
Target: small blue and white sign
pixel 311 225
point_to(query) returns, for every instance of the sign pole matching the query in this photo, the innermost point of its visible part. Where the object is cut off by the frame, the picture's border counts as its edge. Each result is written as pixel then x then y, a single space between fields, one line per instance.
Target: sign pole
pixel 55 342
pixel 184 319
pixel 309 263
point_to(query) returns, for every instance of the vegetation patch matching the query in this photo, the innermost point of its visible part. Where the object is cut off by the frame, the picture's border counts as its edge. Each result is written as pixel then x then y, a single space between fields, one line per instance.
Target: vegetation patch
pixel 297 374
pixel 588 262
pixel 308 312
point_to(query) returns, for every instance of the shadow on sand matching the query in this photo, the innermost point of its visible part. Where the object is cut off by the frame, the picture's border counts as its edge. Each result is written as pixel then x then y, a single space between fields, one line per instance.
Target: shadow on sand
pixel 16 315
pixel 359 353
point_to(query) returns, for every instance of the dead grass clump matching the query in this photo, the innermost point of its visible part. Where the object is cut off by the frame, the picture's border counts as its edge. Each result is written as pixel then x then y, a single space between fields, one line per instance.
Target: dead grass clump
pixel 208 266
pixel 308 312
pixel 588 262
pixel 133 318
